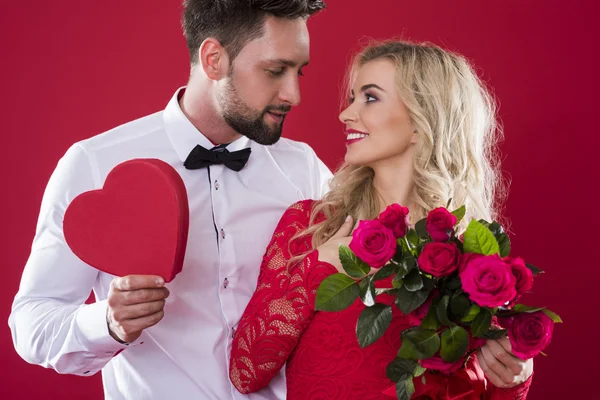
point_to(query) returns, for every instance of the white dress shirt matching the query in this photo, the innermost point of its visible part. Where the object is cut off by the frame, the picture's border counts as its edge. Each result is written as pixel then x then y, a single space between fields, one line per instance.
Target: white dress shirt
pixel 186 355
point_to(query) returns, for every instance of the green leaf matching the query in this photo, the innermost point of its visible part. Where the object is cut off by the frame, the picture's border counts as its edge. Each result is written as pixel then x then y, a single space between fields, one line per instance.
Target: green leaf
pixel 482 323
pixel 419 371
pixel 455 342
pixel 522 308
pixel 425 341
pixel 478 239
pixel 430 321
pixel 534 270
pixel 400 369
pixel 495 334
pixel 407 301
pixel 408 351
pixel 442 311
pixel 454 283
pixel 459 213
pixel 413 281
pixel 372 323
pixel 501 237
pixel 552 315
pixel 405 389
pixel 367 291
pixel 409 263
pixel 471 314
pixel 399 250
pixel 421 229
pixel 353 265
pixel 412 237
pixel 385 272
pixel 459 305
pixel 336 293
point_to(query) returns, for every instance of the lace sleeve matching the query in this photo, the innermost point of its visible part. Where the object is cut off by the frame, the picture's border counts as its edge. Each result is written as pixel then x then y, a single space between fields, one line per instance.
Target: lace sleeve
pixel 281 307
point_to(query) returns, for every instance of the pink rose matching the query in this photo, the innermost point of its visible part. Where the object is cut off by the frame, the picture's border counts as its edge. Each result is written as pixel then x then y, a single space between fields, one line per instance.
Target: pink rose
pixel 465 259
pixel 523 274
pixel 373 243
pixel 438 364
pixel 488 281
pixel 439 259
pixel 395 217
pixel 529 333
pixel 439 223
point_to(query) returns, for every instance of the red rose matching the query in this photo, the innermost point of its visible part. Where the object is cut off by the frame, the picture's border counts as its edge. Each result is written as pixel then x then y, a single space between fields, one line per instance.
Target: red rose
pixel 529 333
pixel 523 274
pixel 488 281
pixel 373 243
pixel 439 223
pixel 439 259
pixel 395 217
pixel 438 364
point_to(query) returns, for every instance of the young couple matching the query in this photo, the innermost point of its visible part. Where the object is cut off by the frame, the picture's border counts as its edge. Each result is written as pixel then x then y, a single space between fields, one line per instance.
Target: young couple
pixel 420 130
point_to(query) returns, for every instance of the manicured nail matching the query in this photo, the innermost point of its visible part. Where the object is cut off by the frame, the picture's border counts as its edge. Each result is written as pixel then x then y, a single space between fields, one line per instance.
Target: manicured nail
pixel 160 281
pixel 348 218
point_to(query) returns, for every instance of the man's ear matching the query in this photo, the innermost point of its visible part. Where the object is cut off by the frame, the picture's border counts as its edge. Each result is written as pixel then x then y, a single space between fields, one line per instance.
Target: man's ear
pixel 213 59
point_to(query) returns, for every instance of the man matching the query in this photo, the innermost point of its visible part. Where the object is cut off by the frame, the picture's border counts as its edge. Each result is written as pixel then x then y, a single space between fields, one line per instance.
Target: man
pixel 150 341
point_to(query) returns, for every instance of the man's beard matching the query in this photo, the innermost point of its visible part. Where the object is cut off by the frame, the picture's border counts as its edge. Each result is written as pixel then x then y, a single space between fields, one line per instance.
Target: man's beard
pixel 248 121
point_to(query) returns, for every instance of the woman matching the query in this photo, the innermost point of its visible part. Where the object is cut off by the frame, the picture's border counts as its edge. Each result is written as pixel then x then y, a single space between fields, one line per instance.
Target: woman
pixel 420 131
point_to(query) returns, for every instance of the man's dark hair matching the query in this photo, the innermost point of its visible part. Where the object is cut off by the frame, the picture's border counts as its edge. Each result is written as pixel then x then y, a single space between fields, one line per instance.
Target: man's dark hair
pixel 236 22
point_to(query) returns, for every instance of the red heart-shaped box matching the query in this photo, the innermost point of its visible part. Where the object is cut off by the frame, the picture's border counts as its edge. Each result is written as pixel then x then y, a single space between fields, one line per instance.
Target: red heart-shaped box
pixel 136 224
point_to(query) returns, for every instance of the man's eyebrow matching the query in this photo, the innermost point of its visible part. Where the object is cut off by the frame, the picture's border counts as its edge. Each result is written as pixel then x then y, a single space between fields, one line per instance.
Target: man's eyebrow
pixel 289 63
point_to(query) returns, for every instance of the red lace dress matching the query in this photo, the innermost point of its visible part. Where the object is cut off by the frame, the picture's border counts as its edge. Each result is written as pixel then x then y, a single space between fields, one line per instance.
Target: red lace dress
pixel 324 360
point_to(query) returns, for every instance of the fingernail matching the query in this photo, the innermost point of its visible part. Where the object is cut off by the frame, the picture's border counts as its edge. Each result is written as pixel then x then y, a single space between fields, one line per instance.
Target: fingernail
pixel 160 281
pixel 348 218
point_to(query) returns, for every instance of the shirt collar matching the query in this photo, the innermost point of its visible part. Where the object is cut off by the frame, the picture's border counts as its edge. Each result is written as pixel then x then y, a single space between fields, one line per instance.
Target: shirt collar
pixel 184 136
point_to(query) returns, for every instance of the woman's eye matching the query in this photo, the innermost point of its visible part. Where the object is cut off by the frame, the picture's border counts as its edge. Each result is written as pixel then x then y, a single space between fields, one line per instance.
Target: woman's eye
pixel 370 98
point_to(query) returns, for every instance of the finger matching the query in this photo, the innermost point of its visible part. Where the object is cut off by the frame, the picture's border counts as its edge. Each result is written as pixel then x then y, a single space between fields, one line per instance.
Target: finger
pixel 137 311
pixel 489 373
pixel 345 229
pixel 135 282
pixel 139 324
pixel 132 327
pixel 495 364
pixel 502 350
pixel 137 297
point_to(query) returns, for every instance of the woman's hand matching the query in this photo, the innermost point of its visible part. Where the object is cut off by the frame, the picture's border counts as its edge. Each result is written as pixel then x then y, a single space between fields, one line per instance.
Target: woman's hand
pixel 501 367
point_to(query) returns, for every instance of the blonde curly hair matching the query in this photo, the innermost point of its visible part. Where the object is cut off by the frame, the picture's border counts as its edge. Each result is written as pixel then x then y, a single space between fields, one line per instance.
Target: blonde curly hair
pixel 456 158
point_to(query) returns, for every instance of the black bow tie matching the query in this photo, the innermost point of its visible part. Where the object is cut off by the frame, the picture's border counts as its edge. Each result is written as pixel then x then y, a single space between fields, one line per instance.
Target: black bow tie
pixel 201 157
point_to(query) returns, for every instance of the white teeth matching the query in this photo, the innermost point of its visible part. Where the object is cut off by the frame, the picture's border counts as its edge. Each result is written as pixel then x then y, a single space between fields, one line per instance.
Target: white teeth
pixel 354 136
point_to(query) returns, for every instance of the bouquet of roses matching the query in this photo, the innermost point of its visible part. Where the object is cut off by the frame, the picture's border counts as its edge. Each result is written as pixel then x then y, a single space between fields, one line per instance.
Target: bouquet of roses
pixel 453 290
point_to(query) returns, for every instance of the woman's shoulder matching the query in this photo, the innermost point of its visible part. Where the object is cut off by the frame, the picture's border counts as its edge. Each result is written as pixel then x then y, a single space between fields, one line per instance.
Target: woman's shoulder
pixel 301 211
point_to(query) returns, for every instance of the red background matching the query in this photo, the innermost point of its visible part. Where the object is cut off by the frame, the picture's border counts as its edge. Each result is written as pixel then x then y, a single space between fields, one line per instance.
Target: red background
pixel 71 69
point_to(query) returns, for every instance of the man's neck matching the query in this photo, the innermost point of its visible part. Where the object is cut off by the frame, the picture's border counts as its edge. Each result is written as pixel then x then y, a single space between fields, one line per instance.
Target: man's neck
pixel 198 107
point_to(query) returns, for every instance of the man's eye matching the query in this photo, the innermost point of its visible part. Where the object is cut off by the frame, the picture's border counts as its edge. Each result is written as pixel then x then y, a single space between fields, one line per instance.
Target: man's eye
pixel 277 72
pixel 300 72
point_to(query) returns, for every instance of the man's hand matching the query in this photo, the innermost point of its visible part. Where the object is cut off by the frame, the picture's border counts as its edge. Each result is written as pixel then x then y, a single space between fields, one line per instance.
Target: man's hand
pixel 500 366
pixel 135 302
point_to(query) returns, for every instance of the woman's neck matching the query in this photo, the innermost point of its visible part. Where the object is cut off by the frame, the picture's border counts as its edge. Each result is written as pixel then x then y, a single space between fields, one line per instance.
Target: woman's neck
pixel 393 181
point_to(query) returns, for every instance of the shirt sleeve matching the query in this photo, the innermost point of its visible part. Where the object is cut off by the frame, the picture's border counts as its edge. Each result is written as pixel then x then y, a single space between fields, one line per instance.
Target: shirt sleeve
pixel 50 323
pixel 282 306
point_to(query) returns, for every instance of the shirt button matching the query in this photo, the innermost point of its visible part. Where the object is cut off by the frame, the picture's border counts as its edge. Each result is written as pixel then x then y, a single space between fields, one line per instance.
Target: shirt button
pixel 232 333
pixel 222 234
pixel 225 283
pixel 217 185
